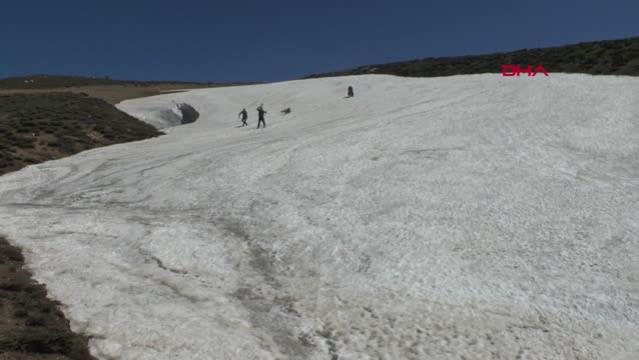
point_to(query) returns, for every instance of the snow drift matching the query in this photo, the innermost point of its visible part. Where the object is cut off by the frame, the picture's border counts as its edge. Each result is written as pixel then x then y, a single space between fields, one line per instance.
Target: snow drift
pixel 165 115
pixel 466 217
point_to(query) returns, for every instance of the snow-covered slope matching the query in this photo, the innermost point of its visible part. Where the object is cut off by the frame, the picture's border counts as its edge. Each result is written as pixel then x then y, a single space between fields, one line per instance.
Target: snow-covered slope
pixel 467 217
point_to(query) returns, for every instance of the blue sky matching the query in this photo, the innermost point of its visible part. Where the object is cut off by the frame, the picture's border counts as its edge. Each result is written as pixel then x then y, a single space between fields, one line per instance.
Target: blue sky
pixel 245 40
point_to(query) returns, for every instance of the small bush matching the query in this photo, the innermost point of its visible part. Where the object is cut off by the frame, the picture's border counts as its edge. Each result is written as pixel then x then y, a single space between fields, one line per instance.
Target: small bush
pixel 35 320
pixel 20 314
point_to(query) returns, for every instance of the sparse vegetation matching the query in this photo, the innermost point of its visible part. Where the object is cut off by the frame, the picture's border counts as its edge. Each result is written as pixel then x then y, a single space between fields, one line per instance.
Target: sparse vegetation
pixel 40 127
pixel 32 325
pixel 113 91
pixel 60 81
pixel 613 57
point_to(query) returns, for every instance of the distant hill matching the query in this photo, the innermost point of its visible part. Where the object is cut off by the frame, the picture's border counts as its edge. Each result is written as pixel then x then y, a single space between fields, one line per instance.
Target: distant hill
pixel 113 91
pixel 611 57
pixel 62 81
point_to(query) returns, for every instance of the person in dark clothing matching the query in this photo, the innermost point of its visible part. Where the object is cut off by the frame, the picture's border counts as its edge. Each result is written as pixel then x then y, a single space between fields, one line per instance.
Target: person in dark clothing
pixel 243 115
pixel 260 116
pixel 350 92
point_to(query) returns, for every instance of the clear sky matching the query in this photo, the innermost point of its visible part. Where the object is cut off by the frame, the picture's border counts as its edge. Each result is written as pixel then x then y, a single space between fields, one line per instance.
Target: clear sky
pixel 269 40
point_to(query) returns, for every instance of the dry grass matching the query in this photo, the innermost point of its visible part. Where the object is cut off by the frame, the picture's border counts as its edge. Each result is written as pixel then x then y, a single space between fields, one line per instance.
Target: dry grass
pixel 36 127
pixel 113 94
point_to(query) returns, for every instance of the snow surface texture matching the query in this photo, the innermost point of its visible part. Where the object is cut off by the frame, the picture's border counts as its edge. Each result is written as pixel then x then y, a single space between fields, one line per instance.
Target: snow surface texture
pixel 466 217
pixel 167 116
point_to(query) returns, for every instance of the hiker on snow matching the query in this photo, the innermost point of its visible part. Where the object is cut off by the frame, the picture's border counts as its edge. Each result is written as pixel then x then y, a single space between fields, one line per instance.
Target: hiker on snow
pixel 243 115
pixel 350 92
pixel 260 116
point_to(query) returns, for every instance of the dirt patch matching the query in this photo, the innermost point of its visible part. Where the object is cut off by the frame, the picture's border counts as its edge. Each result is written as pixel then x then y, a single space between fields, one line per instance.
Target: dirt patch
pixel 32 325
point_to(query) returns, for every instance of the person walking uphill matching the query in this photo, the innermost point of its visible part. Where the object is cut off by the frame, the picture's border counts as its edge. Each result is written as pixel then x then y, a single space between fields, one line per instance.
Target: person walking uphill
pixel 350 93
pixel 260 116
pixel 243 115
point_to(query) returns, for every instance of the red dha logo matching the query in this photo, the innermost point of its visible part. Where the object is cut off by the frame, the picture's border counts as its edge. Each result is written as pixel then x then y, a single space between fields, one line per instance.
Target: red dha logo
pixel 515 70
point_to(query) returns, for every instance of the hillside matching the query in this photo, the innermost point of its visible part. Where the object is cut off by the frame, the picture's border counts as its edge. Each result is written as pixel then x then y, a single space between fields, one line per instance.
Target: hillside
pixel 113 91
pixel 39 127
pixel 613 57
pixel 421 219
pixel 62 81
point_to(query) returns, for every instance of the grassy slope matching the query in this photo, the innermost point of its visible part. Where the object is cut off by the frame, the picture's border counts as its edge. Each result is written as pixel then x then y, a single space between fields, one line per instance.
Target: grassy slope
pixel 113 91
pixel 112 94
pixel 40 127
pixel 613 57
pixel 63 81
